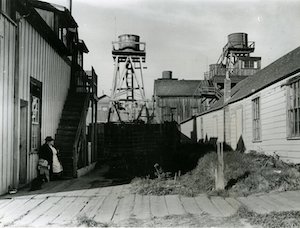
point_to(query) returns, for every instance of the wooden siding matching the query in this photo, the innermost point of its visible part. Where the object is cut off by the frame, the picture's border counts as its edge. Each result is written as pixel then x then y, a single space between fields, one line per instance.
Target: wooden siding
pixel 183 107
pixel 39 60
pixel 7 59
pixel 274 137
pixel 273 124
pixel 212 126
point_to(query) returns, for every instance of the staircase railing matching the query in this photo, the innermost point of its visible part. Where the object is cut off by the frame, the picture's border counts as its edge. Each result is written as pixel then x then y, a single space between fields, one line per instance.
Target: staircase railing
pixel 79 146
pixel 87 86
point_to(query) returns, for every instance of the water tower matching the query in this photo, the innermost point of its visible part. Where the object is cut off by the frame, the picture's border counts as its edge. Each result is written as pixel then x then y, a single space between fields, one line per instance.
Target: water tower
pixel 128 100
pixel 236 48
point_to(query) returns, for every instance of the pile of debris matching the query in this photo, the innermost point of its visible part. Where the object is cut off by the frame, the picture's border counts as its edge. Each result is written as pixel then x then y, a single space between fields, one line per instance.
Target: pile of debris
pixel 244 174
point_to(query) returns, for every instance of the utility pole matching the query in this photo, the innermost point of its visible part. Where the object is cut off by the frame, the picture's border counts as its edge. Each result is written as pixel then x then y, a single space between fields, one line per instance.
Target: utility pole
pixel 70 6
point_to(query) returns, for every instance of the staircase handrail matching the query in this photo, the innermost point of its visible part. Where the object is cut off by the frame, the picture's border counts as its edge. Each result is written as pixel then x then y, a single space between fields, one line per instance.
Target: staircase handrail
pixel 81 125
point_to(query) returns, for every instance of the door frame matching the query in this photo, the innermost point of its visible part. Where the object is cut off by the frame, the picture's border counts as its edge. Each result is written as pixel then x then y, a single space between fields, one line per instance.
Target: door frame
pixel 23 170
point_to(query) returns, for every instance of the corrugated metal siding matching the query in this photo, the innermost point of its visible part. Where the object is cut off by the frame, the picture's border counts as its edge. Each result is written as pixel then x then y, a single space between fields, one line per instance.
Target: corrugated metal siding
pixel 40 61
pixel 7 59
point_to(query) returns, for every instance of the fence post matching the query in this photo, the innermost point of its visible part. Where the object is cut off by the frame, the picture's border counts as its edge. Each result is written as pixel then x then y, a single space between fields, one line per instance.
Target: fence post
pixel 219 172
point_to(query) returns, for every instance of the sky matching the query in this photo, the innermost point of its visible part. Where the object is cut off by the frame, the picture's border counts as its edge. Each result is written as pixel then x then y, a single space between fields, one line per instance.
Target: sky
pixel 183 36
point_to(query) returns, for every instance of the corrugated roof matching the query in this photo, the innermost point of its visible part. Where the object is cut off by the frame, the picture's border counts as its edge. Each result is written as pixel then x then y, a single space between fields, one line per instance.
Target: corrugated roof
pixel 171 88
pixel 283 67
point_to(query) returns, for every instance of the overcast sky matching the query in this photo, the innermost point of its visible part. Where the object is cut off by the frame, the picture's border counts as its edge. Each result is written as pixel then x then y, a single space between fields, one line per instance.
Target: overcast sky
pixel 183 36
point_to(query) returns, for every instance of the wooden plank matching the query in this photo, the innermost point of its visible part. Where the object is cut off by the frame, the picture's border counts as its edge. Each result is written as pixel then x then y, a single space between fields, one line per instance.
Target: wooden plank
pixel 275 205
pixel 71 193
pixel 20 211
pixel 190 205
pixel 5 202
pixel 91 208
pixel 124 208
pixel 11 207
pixel 36 212
pixel 206 205
pixel 108 208
pixel 253 204
pixel 53 212
pixel 158 206
pixel 174 205
pixel 234 203
pixel 105 191
pixel 291 198
pixel 92 192
pixel 225 208
pixel 71 211
pixel 141 209
pixel 286 204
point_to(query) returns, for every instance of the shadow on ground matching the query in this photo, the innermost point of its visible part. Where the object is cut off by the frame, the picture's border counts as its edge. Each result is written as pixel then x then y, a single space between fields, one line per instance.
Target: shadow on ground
pixel 101 176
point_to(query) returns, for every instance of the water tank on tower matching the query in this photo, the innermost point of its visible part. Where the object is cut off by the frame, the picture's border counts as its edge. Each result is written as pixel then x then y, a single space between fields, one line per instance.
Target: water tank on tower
pixel 129 41
pixel 238 40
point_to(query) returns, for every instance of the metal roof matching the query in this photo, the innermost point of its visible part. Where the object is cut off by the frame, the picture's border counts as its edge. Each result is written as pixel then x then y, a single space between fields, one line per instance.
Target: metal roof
pixel 175 88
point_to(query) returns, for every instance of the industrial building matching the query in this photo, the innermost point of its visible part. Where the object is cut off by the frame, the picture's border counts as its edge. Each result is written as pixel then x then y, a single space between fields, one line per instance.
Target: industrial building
pixel 44 90
pixel 262 112
pixel 236 60
pixel 177 100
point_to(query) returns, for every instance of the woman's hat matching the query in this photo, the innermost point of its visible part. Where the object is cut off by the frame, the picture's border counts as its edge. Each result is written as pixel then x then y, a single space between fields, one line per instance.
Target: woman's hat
pixel 49 139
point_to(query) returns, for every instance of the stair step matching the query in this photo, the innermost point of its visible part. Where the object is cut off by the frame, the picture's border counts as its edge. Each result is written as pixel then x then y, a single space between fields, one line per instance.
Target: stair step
pixel 64 145
pixel 67 112
pixel 70 107
pixel 66 131
pixel 70 117
pixel 67 128
pixel 69 122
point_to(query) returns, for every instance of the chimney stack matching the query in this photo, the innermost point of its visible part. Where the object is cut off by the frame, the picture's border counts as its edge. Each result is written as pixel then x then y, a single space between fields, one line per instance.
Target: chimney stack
pixel 167 74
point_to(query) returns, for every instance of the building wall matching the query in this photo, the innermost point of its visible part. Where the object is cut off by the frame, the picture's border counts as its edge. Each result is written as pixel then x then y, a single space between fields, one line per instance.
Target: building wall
pixel 186 128
pixel 7 64
pixel 273 109
pixel 39 60
pixel 211 125
pixel 273 124
pixel 182 108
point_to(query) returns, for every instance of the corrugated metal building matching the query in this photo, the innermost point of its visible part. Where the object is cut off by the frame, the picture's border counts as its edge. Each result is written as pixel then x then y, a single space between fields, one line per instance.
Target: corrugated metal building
pixel 41 61
pixel 7 68
pixel 263 112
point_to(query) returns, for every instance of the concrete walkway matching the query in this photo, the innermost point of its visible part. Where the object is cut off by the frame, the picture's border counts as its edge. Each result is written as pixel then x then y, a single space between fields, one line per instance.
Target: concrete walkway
pixel 85 200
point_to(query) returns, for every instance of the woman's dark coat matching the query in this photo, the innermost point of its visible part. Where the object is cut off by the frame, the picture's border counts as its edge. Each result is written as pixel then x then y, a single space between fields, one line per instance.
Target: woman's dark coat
pixel 46 153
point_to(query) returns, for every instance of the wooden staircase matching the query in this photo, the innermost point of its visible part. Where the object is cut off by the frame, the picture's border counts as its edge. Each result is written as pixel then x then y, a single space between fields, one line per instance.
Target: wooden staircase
pixel 66 139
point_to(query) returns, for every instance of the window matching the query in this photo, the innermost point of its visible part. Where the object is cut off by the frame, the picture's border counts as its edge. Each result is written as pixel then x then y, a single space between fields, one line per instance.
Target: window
pixel 256 119
pixel 248 64
pixel 294 109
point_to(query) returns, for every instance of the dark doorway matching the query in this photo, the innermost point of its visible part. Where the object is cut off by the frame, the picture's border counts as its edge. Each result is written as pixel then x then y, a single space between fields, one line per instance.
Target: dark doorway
pixel 36 111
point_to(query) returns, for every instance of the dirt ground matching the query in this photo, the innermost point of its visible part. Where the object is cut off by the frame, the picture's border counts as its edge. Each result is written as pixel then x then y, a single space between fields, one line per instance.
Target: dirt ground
pixel 202 220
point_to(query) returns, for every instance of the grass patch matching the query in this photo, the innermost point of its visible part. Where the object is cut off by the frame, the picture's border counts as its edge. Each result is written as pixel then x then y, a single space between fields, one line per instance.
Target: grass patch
pixel 273 219
pixel 244 174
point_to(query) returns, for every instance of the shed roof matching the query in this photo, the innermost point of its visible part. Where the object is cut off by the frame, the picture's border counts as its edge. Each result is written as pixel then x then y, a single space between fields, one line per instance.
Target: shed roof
pixel 66 18
pixel 283 67
pixel 173 88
